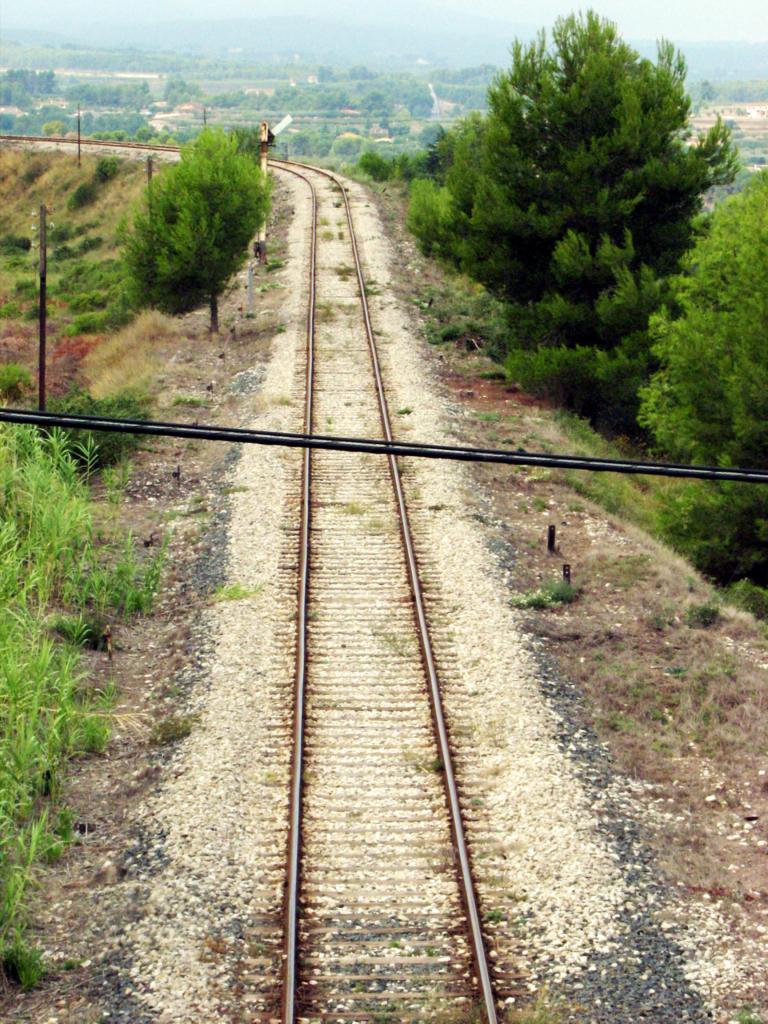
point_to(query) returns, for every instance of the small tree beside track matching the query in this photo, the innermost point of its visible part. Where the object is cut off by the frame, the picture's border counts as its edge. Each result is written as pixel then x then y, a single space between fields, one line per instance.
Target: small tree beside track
pixel 192 231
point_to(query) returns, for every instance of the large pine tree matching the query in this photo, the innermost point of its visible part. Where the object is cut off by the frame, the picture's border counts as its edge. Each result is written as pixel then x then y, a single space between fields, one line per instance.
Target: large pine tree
pixel 576 199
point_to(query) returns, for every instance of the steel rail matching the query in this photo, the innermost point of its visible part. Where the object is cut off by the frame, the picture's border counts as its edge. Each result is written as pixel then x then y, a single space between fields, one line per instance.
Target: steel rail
pixel 461 851
pixel 293 882
pixel 107 143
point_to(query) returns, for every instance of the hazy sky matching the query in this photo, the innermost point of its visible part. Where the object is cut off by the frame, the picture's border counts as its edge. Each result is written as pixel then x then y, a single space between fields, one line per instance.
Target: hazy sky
pixel 681 19
pixel 676 19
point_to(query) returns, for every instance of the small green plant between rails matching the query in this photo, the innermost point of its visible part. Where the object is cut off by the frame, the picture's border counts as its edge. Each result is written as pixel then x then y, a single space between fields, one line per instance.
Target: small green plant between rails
pixel 58 585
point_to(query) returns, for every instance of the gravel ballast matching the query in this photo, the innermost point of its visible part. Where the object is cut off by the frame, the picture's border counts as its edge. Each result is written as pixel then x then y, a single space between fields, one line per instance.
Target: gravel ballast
pixel 586 911
pixel 567 884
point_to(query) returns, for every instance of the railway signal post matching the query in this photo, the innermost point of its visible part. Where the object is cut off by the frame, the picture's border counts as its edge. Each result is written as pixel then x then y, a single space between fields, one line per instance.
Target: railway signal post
pixel 266 138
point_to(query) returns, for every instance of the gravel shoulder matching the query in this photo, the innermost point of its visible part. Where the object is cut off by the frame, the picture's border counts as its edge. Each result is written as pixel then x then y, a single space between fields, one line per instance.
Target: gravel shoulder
pixel 171 912
pixel 578 890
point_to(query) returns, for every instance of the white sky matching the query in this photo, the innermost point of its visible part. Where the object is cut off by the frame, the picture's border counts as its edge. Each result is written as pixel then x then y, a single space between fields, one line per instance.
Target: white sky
pixel 679 20
pixel 647 19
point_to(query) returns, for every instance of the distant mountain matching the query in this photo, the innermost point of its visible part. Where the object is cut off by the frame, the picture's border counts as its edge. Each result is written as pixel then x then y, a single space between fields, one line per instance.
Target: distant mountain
pixel 396 33
pixel 382 33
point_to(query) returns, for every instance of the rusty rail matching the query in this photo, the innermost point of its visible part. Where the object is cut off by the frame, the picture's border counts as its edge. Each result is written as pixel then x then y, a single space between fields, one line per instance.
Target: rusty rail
pixel 293 880
pixel 457 827
pixel 294 843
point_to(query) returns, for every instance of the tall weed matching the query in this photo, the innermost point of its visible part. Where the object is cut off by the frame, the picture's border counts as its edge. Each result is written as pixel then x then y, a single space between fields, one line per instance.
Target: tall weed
pixel 47 559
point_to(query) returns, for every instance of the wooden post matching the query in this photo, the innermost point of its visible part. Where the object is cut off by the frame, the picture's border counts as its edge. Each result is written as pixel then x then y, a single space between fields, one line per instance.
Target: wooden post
pixel 42 311
pixel 78 135
pixel 149 189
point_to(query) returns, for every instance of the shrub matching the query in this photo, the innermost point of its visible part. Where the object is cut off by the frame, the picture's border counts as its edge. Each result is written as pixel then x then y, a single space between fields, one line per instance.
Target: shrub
pixel 107 448
pixel 107 168
pixel 83 195
pixel 430 217
pixel 375 166
pixel 35 169
pixel 88 244
pixel 26 288
pixel 552 593
pixel 702 616
pixel 564 375
pixel 87 302
pixel 63 252
pixel 14 381
pixel 747 595
pixel 15 244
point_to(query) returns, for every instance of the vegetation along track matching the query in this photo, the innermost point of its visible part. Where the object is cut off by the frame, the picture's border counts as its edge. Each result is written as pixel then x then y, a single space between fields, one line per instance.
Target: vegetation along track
pixel 381 915
pixel 381 919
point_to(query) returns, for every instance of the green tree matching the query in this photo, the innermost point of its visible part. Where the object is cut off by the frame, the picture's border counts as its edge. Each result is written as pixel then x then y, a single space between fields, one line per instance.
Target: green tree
pixel 709 400
pixel 54 128
pixel 192 231
pixel 576 196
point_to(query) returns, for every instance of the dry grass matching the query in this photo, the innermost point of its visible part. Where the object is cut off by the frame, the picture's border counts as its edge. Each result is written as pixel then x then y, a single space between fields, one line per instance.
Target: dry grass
pixel 132 355
pixel 29 179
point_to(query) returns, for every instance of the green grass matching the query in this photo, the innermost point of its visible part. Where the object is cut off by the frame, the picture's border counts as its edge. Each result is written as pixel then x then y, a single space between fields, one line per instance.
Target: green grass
pixel 15 380
pixel 236 592
pixel 551 594
pixel 193 401
pixel 49 561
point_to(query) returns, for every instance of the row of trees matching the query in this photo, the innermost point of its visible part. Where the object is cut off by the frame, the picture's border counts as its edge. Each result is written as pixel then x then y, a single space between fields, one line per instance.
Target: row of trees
pixel 577 201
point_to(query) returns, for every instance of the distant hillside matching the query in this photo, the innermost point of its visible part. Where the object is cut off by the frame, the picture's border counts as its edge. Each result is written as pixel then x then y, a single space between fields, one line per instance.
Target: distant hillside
pixel 377 32
pixel 391 34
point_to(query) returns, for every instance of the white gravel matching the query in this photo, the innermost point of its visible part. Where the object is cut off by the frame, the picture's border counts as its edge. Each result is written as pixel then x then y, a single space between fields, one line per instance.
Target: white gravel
pixel 220 820
pixel 556 872
pixel 555 889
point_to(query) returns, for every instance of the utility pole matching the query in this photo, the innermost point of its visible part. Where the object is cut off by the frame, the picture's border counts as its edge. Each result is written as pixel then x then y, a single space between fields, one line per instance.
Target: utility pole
pixel 150 162
pixel 78 134
pixel 42 310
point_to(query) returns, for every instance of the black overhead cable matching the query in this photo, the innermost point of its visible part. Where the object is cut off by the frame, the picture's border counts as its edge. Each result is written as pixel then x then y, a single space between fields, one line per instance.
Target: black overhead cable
pixel 326 442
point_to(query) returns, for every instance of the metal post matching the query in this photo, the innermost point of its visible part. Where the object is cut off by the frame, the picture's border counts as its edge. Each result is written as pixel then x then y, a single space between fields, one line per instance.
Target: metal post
pixel 42 311
pixel 263 151
pixel 250 287
pixel 78 135
pixel 551 539
pixel 567 574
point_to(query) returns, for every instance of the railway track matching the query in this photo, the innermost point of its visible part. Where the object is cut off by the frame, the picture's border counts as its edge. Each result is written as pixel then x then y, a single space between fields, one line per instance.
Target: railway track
pixel 55 141
pixel 381 919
